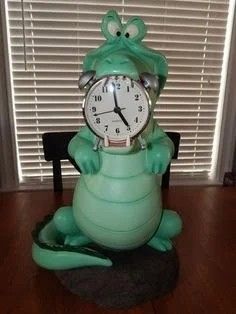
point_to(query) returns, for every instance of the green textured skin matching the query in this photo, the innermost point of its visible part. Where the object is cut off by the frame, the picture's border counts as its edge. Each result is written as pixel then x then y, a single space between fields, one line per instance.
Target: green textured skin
pixel 117 200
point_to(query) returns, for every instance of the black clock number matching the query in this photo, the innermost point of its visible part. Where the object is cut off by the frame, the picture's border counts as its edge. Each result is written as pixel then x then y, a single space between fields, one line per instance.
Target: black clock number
pixel 94 109
pixel 98 121
pixel 136 97
pixel 128 128
pixel 117 130
pixel 98 97
pixel 136 120
pixel 140 108
pixel 117 85
pixel 127 89
pixel 106 127
pixel 104 89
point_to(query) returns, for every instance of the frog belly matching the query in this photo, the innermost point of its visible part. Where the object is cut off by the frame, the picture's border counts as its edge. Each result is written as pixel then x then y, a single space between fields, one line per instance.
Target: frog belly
pixel 120 206
pixel 124 217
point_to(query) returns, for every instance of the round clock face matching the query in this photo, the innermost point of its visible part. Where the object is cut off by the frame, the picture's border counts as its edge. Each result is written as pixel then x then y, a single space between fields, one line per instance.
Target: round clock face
pixel 117 107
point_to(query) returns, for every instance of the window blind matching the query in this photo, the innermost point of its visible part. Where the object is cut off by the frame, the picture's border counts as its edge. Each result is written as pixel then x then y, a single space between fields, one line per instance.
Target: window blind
pixel 58 34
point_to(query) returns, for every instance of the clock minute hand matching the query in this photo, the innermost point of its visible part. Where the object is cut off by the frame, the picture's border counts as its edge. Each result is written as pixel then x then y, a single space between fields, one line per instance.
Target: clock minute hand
pixel 114 95
pixel 117 109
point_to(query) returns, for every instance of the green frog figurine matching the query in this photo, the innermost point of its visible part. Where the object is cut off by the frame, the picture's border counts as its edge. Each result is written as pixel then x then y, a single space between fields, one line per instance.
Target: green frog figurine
pixel 122 154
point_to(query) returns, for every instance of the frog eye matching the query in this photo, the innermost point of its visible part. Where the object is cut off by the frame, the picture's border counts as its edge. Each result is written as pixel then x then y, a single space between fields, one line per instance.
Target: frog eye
pixel 114 28
pixel 131 31
pixel 135 29
pixel 111 25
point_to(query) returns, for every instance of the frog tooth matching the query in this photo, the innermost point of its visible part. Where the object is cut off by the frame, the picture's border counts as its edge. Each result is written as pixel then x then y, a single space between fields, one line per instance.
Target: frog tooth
pixel 106 141
pixel 128 140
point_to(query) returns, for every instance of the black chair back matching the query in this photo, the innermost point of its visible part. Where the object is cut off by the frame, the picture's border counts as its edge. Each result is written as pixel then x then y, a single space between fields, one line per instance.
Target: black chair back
pixel 55 149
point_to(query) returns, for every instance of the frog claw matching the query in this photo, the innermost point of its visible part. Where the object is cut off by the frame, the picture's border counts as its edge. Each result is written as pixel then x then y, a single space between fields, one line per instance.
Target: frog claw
pixel 159 244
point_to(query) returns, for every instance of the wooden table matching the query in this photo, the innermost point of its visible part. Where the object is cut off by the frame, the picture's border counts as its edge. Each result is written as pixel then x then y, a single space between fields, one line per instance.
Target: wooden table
pixel 206 250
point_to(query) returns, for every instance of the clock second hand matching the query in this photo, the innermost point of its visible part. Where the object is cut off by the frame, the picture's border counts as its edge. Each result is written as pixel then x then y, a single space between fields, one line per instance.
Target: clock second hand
pixel 98 114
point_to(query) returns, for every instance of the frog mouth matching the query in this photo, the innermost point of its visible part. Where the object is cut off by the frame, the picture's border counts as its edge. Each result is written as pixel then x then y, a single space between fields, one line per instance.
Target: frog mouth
pixel 148 80
pixel 129 145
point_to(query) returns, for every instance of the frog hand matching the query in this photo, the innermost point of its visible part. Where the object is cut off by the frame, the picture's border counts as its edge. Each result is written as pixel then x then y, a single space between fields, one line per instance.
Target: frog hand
pixel 87 159
pixel 158 158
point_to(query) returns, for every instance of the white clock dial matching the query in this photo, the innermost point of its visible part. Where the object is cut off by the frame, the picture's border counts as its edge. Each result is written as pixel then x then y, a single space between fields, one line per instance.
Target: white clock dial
pixel 117 106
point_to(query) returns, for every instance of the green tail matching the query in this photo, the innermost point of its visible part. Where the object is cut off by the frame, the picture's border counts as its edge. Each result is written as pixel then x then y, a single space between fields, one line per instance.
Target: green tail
pixel 56 260
pixel 49 252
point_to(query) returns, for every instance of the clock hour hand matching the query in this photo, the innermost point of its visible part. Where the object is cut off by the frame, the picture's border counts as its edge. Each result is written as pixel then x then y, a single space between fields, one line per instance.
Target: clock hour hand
pixel 118 111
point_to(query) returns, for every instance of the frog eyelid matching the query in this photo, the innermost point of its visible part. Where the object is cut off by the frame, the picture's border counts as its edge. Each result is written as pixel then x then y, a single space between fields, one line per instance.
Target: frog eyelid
pixel 111 25
pixel 114 28
pixel 135 29
pixel 131 31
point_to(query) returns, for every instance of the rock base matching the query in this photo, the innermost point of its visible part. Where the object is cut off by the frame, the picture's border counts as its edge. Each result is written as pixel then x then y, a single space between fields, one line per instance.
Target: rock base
pixel 135 277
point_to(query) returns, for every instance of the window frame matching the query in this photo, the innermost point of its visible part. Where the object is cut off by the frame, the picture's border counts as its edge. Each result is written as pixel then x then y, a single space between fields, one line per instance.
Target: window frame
pixel 8 161
pixel 226 141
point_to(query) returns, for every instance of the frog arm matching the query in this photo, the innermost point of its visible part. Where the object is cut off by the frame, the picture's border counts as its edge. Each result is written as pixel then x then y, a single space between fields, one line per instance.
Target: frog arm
pixel 155 61
pixel 81 150
pixel 160 150
pixel 159 137
pixel 84 136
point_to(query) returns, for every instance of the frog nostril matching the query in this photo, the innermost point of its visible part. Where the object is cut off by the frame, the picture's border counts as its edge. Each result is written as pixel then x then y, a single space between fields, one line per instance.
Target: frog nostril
pixel 124 61
pixel 108 60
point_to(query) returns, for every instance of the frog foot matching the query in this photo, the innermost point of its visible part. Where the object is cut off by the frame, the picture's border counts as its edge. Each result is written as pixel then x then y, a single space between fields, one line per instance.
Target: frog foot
pixel 162 245
pixel 76 240
pixel 170 226
pixel 50 251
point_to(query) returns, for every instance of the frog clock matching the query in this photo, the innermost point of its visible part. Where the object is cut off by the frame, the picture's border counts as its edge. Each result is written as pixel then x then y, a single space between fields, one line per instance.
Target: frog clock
pixel 117 200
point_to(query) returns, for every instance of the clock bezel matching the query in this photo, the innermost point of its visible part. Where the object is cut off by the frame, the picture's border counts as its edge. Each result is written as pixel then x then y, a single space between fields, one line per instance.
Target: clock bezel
pixel 148 103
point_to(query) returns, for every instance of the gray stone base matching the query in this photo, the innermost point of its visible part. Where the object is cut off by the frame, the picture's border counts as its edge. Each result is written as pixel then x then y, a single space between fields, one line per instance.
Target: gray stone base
pixel 135 277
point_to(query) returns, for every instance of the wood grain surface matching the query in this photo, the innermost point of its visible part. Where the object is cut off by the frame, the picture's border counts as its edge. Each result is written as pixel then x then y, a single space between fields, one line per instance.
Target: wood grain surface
pixel 206 249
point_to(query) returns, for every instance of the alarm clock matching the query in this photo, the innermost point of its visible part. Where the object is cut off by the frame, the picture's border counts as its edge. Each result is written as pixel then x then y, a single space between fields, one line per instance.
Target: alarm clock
pixel 117 109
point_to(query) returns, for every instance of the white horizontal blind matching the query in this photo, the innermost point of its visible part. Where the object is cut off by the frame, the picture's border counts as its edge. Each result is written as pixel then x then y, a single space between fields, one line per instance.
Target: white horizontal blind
pixel 59 33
